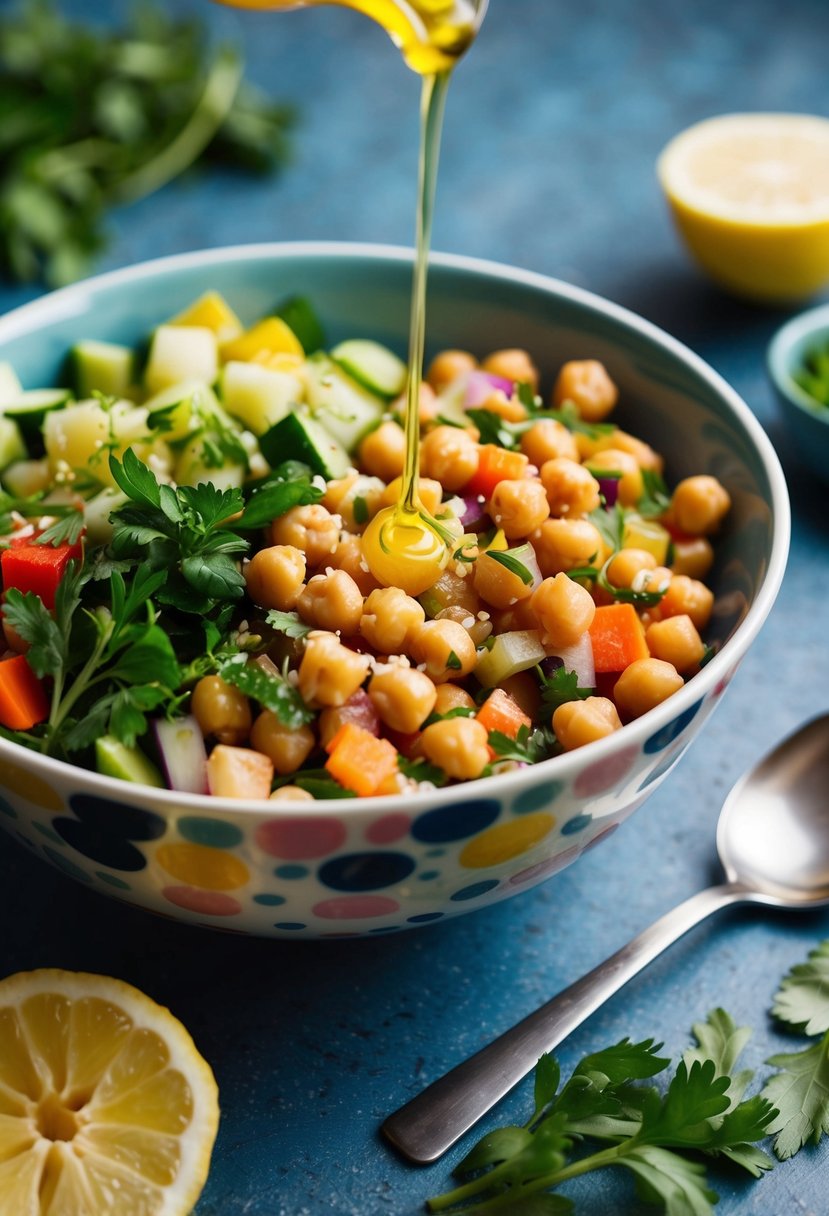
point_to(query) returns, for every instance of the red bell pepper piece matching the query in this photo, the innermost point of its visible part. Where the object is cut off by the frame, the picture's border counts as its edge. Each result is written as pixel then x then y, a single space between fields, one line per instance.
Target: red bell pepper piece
pixel 38 568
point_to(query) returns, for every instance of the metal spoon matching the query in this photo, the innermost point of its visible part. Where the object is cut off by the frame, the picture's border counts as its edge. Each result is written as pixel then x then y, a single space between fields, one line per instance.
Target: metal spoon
pixel 773 843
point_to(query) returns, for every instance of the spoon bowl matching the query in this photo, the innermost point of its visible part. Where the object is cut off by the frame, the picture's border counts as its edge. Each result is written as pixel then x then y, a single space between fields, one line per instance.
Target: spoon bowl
pixel 773 843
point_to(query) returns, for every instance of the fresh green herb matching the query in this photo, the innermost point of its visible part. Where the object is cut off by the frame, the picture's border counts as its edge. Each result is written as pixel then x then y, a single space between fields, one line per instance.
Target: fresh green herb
pixel 656 498
pixel 637 1128
pixel 289 623
pixel 271 691
pixel 421 770
pixel 610 524
pixel 221 445
pixel 559 688
pixel 567 414
pixel 460 711
pixel 510 561
pixel 66 530
pixel 360 509
pixel 461 554
pixel 181 532
pixel 800 1090
pixel 299 315
pixel 93 117
pixel 493 429
pixel 453 662
pixel 286 487
pixel 317 782
pixel 622 595
pixel 528 747
pixel 813 376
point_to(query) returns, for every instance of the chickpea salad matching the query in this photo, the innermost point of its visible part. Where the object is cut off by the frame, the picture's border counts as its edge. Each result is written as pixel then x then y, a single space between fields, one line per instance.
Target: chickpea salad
pixel 192 597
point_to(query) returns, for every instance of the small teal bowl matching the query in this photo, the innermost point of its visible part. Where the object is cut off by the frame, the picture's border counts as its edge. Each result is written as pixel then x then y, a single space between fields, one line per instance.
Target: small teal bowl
pixel 807 419
pixel 377 865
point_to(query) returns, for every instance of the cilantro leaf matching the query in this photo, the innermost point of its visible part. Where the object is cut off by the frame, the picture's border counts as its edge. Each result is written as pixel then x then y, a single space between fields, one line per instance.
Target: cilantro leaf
pixel 276 496
pixel 136 480
pixel 28 616
pixel 528 747
pixel 272 692
pixel 289 623
pixel 665 1178
pixel 420 769
pixel 803 997
pixel 800 1092
pixel 493 429
pixel 558 688
pixel 656 498
pixel 214 575
pixel 64 531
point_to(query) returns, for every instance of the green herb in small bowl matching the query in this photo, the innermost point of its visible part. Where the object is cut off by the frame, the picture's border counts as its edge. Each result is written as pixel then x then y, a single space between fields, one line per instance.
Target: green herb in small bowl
pixel 798 363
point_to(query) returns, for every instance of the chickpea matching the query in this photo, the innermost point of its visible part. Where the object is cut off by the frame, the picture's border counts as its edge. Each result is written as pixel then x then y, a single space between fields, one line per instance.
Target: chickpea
pixel 512 364
pixel 586 383
pixel 565 544
pixel 291 793
pixel 312 529
pixel 402 696
pixel 645 684
pixel 431 494
pixel 330 673
pixel 497 585
pixel 332 601
pixel 699 505
pixel 450 456
pixel 631 484
pixel 221 710
pixel 348 556
pixel 520 616
pixel 477 629
pixel 446 650
pixel 275 576
pixel 519 507
pixel 548 440
pixel 677 641
pixel 687 596
pixel 694 557
pixel 451 696
pixel 508 408
pixel 571 488
pixel 447 366
pixel 627 564
pixel 427 405
pixel 579 722
pixel 456 590
pixel 389 619
pixel 383 451
pixel 658 579
pixel 287 749
pixel 564 609
pixel 457 745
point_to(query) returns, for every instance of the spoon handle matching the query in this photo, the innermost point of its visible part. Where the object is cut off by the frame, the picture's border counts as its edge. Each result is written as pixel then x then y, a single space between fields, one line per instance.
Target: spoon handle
pixel 427 1126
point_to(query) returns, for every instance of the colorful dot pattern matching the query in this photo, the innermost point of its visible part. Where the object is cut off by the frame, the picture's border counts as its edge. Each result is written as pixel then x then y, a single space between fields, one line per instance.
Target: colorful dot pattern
pixel 323 874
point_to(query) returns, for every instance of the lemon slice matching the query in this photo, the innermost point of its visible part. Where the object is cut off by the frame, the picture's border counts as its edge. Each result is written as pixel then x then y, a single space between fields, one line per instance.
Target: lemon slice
pixel 750 195
pixel 106 1106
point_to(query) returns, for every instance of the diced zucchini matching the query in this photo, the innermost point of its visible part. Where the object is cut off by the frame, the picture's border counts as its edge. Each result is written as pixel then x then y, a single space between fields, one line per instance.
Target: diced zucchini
pixel 373 366
pixel 299 437
pixel 213 312
pixel 193 467
pixel 10 386
pixel 346 409
pixel 299 315
pixel 96 513
pixel 181 352
pixel 510 653
pixel 12 447
pixel 269 337
pixel 102 367
pixel 115 759
pixel 450 401
pixel 29 408
pixel 27 477
pixel 179 410
pixel 257 395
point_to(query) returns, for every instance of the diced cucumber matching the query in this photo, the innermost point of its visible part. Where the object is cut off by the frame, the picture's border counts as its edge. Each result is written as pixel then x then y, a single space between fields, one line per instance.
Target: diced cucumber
pixel 10 386
pixel 181 352
pixel 344 407
pixel 299 314
pixel 12 447
pixel 299 437
pixel 96 513
pixel 180 409
pixel 450 402
pixel 510 653
pixel 259 396
pixel 102 367
pixel 27 477
pixel 115 759
pixel 193 467
pixel 29 408
pixel 373 366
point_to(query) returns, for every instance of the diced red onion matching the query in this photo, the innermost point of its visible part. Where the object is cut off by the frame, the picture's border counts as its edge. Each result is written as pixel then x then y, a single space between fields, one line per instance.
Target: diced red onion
pixel 609 489
pixel 577 658
pixel 481 385
pixel 182 753
pixel 359 709
pixel 474 517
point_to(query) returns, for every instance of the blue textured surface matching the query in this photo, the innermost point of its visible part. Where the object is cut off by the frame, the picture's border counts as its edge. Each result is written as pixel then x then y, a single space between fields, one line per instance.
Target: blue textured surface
pixel 554 124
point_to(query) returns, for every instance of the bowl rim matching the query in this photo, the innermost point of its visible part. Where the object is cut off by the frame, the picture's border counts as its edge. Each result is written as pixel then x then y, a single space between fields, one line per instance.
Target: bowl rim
pixel 809 324
pixel 73 299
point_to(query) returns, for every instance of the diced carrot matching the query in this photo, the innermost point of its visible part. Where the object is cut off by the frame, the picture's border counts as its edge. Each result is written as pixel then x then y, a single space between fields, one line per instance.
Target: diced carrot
pixel 23 703
pixel 38 568
pixel 500 712
pixel 496 464
pixel 238 772
pixel 617 636
pixel 359 761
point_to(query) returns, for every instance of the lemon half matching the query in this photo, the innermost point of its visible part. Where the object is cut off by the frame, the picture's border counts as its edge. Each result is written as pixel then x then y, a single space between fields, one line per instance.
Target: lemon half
pixel 750 195
pixel 106 1106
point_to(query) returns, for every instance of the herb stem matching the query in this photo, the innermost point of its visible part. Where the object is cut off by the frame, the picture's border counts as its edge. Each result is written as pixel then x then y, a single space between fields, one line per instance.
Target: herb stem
pixel 62 705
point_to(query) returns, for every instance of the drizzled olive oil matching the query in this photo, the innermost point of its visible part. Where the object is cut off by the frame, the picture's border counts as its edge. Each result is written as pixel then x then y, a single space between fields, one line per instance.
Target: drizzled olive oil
pixel 403 545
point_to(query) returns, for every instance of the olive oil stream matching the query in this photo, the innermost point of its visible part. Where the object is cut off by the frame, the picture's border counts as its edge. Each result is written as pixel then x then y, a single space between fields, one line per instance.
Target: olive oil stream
pixel 403 545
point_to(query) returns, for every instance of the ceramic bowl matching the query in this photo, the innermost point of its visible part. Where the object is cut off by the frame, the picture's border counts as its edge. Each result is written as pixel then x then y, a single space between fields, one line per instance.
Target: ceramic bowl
pixel 807 419
pixel 378 865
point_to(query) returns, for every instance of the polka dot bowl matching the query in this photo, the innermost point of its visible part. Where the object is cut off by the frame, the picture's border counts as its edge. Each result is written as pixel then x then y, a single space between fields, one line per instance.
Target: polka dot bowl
pixel 362 866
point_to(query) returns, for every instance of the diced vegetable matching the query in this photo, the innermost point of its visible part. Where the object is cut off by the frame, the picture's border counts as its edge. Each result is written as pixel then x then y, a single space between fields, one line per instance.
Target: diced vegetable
pixel 496 464
pixel 481 385
pixel 211 311
pixel 499 712
pixel 578 658
pixel 101 367
pixel 510 653
pixel 27 477
pixel 300 315
pixel 10 386
pixel 194 465
pixel 176 411
pixel 617 637
pixel 37 568
pixel 373 366
pixel 272 336
pixel 23 703
pixel 346 409
pixel 298 437
pixel 82 435
pixel 114 759
pixel 259 396
pixel 640 533
pixel 96 513
pixel 183 755
pixel 28 409
pixel 359 761
pixel 238 772
pixel 181 352
pixel 12 447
